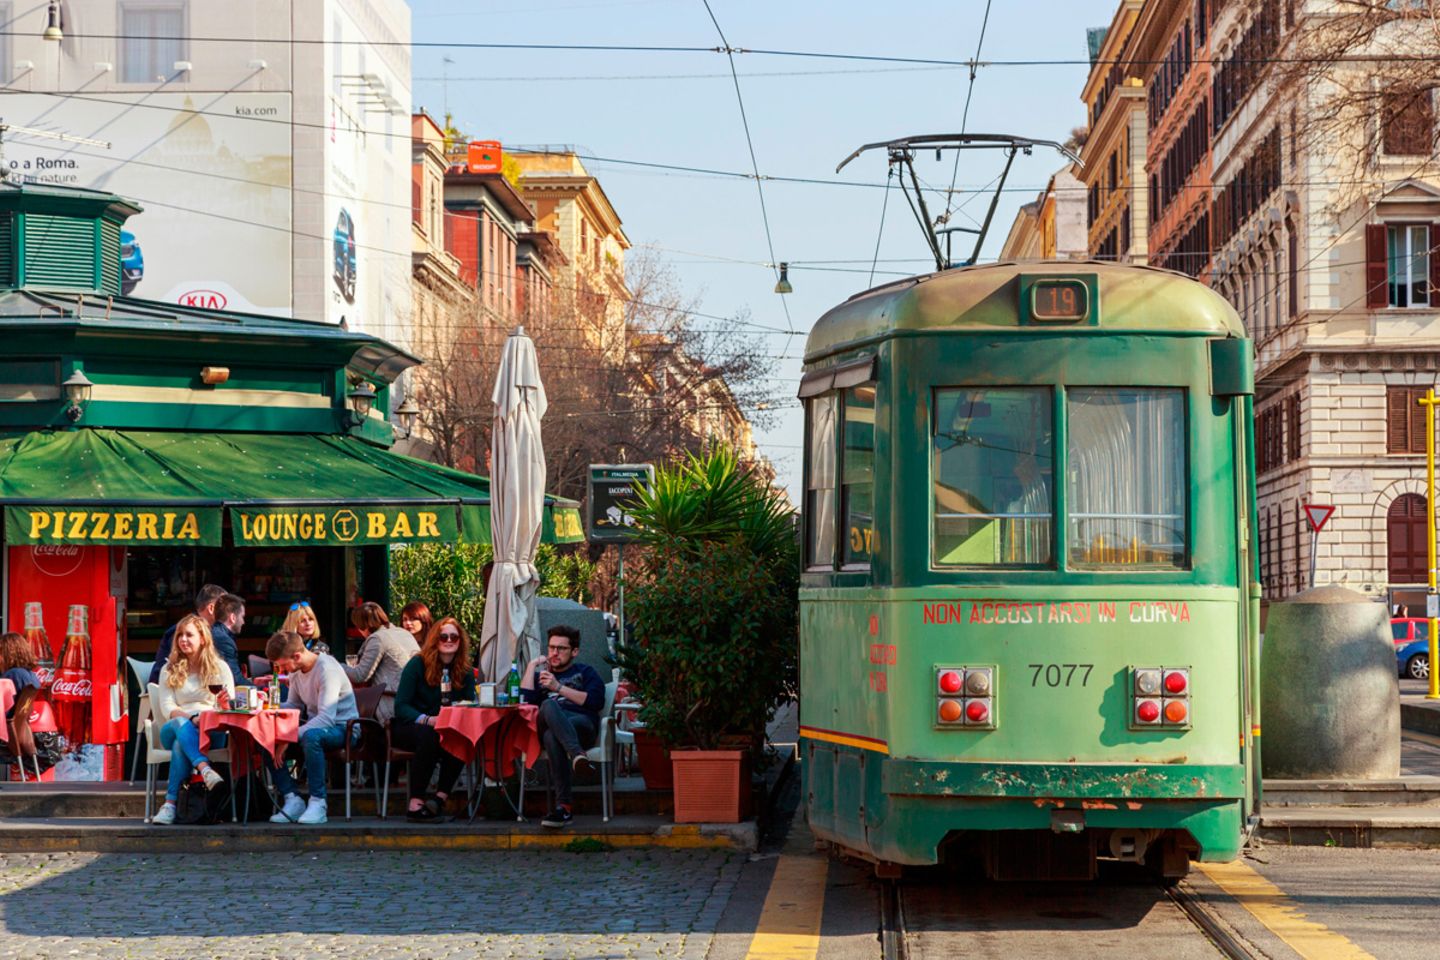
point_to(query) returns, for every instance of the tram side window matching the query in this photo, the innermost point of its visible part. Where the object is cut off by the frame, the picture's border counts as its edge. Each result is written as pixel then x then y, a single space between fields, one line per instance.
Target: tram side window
pixel 1127 477
pixel 857 481
pixel 993 458
pixel 820 481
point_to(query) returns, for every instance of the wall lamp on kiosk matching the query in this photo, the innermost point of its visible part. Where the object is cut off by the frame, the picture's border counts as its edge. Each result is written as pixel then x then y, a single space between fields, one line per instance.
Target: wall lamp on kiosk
pixel 406 414
pixel 77 392
pixel 361 398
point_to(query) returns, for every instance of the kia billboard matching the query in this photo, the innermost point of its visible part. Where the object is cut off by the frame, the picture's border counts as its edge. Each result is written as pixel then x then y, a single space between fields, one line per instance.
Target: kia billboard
pixel 211 170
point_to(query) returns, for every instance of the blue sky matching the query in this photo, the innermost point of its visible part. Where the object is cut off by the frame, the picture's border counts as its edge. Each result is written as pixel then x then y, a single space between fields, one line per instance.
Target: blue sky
pixel 805 116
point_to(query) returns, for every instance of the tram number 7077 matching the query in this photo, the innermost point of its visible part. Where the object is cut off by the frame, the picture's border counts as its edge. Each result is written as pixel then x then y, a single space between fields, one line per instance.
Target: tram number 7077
pixel 1060 674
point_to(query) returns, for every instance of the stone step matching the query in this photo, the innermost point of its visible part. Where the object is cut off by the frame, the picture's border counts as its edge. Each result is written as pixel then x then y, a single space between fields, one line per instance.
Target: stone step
pixel 1401 791
pixel 1405 826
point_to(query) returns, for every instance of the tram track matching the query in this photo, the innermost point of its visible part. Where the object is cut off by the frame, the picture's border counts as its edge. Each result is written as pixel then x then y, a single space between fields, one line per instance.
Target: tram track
pixel 1006 932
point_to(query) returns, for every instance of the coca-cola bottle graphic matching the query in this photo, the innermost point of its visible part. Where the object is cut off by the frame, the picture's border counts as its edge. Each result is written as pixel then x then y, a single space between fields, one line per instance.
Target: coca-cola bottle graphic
pixel 71 691
pixel 39 645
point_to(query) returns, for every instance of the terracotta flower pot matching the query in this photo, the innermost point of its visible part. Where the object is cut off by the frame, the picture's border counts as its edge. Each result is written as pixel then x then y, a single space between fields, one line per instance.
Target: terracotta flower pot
pixel 654 760
pixel 711 786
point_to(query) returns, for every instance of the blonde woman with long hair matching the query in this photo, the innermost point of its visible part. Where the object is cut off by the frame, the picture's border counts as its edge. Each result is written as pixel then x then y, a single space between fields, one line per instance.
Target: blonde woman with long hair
pixel 194 680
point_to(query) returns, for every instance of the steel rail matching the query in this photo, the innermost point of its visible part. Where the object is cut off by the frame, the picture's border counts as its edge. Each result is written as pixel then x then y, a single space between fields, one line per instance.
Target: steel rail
pixel 892 922
pixel 1199 914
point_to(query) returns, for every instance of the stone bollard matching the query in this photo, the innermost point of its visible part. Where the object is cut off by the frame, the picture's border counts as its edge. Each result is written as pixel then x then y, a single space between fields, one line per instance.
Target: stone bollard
pixel 1329 689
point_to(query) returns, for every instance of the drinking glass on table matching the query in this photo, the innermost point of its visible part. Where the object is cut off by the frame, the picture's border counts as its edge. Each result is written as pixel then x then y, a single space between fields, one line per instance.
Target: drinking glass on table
pixel 222 699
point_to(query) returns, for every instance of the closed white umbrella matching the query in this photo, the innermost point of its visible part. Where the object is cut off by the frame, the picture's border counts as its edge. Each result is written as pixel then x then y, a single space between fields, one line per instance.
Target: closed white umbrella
pixel 517 505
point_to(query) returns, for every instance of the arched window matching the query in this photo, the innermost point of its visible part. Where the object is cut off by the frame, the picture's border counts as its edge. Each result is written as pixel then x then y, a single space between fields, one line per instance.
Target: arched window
pixel 1405 538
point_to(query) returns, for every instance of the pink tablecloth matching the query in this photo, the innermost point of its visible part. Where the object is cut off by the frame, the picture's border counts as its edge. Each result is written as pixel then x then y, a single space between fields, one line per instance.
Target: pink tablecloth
pixel 7 700
pixel 273 730
pixel 502 734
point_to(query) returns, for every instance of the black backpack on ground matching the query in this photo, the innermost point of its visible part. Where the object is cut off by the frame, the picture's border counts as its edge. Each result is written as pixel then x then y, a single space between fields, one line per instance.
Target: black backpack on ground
pixel 197 806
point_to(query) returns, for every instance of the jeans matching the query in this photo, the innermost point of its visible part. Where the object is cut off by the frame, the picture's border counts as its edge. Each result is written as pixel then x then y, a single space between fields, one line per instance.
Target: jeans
pixel 183 740
pixel 566 734
pixel 424 742
pixel 313 743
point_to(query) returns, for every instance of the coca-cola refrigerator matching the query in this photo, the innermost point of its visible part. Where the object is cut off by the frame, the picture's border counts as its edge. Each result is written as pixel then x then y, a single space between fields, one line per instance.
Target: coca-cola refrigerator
pixel 69 601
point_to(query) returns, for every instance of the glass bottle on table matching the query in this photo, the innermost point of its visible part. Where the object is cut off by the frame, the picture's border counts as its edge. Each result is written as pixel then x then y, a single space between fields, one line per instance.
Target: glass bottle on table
pixel 445 687
pixel 512 682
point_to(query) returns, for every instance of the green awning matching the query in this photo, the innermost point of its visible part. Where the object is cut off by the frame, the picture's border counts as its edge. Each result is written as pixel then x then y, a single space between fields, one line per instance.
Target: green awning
pixel 170 488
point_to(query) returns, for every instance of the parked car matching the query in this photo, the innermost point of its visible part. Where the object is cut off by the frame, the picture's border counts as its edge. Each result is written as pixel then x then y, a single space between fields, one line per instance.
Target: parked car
pixel 1413 659
pixel 1405 629
pixel 132 262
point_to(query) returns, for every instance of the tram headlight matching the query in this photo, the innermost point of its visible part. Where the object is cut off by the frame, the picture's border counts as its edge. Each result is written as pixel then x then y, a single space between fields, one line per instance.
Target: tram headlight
pixel 977 683
pixel 964 696
pixel 1147 681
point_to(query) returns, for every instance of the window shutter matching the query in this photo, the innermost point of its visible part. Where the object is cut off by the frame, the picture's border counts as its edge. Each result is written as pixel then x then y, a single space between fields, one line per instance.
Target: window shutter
pixel 1417 420
pixel 1396 430
pixel 1434 240
pixel 1377 272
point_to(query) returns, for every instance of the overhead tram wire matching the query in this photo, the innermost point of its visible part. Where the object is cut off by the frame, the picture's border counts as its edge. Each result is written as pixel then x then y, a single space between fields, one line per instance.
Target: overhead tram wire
pixel 750 143
pixel 965 114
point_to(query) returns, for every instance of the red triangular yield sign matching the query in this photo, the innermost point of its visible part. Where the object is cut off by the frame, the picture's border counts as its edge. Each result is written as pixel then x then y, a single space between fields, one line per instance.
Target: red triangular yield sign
pixel 1317 514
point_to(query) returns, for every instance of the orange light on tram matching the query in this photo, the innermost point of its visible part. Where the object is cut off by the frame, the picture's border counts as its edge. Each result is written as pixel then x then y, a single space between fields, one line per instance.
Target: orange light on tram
pixel 950 711
pixel 1176 711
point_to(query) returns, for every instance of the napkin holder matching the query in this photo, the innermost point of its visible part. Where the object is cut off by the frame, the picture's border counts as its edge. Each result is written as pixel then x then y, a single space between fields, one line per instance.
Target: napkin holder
pixel 485 694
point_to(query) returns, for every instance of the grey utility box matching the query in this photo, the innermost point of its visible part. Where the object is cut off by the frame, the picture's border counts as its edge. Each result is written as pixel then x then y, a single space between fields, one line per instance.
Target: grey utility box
pixel 1329 689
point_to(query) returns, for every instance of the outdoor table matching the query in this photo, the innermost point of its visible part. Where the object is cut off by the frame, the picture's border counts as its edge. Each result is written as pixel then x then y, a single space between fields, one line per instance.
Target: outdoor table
pixel 491 739
pixel 272 730
pixel 7 700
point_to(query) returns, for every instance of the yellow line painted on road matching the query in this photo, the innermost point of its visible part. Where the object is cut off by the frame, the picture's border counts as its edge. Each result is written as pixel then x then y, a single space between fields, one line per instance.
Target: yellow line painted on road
pixel 1270 905
pixel 789 927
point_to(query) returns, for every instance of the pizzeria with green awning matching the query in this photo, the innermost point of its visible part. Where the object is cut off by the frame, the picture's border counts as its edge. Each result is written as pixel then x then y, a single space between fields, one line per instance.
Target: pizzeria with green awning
pixel 184 446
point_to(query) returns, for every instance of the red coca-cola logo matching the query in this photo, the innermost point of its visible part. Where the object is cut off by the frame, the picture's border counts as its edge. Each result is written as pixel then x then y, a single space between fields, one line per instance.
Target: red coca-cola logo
pixel 71 689
pixel 46 675
pixel 56 559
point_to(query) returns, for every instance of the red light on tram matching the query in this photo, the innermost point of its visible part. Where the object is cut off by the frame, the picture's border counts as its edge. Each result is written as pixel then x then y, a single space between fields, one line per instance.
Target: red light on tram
pixel 1148 711
pixel 951 681
pixel 977 712
pixel 1176 711
pixel 1176 682
pixel 950 711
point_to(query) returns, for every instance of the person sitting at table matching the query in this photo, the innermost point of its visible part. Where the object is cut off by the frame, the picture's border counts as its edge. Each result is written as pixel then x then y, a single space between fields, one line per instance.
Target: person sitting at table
pixel 570 696
pixel 384 654
pixel 192 671
pixel 301 620
pixel 204 608
pixel 322 693
pixel 416 618
pixel 229 621
pixel 417 705
pixel 17 664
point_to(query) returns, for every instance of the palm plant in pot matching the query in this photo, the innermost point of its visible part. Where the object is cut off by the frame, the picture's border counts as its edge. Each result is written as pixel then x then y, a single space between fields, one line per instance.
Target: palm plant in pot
pixel 716 623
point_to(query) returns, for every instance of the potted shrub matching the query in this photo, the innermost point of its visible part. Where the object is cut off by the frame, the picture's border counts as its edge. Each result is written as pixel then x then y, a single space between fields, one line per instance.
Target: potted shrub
pixel 715 625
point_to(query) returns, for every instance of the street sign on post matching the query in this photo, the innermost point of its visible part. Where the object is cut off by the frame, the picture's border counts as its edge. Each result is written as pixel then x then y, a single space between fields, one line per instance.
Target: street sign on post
pixel 1317 514
pixel 612 487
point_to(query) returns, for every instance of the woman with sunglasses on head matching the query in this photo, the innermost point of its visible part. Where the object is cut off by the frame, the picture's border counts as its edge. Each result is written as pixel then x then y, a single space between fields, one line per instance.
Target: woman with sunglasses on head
pixel 416 618
pixel 194 680
pixel 417 704
pixel 301 620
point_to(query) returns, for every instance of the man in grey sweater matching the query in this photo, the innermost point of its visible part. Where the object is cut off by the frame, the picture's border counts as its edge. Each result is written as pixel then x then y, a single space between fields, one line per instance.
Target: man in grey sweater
pixel 383 655
pixel 322 693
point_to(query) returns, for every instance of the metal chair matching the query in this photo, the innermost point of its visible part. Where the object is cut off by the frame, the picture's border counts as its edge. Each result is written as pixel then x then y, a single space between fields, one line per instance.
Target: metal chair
pixel 22 737
pixel 140 670
pixel 371 746
pixel 156 755
pixel 603 755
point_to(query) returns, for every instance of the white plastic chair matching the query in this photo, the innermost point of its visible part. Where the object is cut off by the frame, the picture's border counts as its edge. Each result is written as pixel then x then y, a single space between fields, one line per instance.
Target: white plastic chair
pixel 140 670
pixel 603 754
pixel 156 755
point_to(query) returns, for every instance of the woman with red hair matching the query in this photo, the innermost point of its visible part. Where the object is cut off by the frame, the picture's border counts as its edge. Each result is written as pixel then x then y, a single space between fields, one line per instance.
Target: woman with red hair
pixel 417 703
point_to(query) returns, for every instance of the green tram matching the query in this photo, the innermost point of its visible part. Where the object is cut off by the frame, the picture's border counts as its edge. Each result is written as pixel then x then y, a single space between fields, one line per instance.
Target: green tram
pixel 1030 605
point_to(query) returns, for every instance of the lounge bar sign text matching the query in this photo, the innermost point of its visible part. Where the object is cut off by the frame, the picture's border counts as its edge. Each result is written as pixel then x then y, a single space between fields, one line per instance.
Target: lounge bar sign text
pixel 162 526
pixel 293 526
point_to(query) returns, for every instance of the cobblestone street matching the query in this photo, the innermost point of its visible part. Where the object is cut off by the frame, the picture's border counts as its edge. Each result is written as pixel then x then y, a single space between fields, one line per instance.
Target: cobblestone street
pixel 372 905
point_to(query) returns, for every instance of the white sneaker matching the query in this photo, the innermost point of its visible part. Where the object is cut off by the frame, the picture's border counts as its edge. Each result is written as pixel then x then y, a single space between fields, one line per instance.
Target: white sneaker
pixel 166 814
pixel 314 812
pixel 211 778
pixel 294 806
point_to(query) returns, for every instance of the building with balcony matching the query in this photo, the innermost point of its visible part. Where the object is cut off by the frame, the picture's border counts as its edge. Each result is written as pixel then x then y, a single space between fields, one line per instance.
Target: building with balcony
pixel 1117 201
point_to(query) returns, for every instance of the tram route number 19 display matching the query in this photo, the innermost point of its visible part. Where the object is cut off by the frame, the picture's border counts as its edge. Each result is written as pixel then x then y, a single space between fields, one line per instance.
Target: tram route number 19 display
pixel 1059 300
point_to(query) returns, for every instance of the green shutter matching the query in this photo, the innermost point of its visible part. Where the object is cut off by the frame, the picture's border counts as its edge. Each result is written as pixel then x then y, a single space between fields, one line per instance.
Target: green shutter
pixel 59 252
pixel 7 249
pixel 110 257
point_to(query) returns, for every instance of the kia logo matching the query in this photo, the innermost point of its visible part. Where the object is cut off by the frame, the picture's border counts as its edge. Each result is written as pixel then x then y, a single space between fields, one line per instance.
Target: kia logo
pixel 204 299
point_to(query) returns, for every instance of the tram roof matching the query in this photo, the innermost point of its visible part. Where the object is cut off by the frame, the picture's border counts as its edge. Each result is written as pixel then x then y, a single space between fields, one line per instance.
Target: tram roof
pixel 1132 299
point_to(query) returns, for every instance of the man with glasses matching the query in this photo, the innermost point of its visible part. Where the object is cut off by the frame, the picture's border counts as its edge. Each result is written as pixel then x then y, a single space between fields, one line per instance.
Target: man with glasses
pixel 570 696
